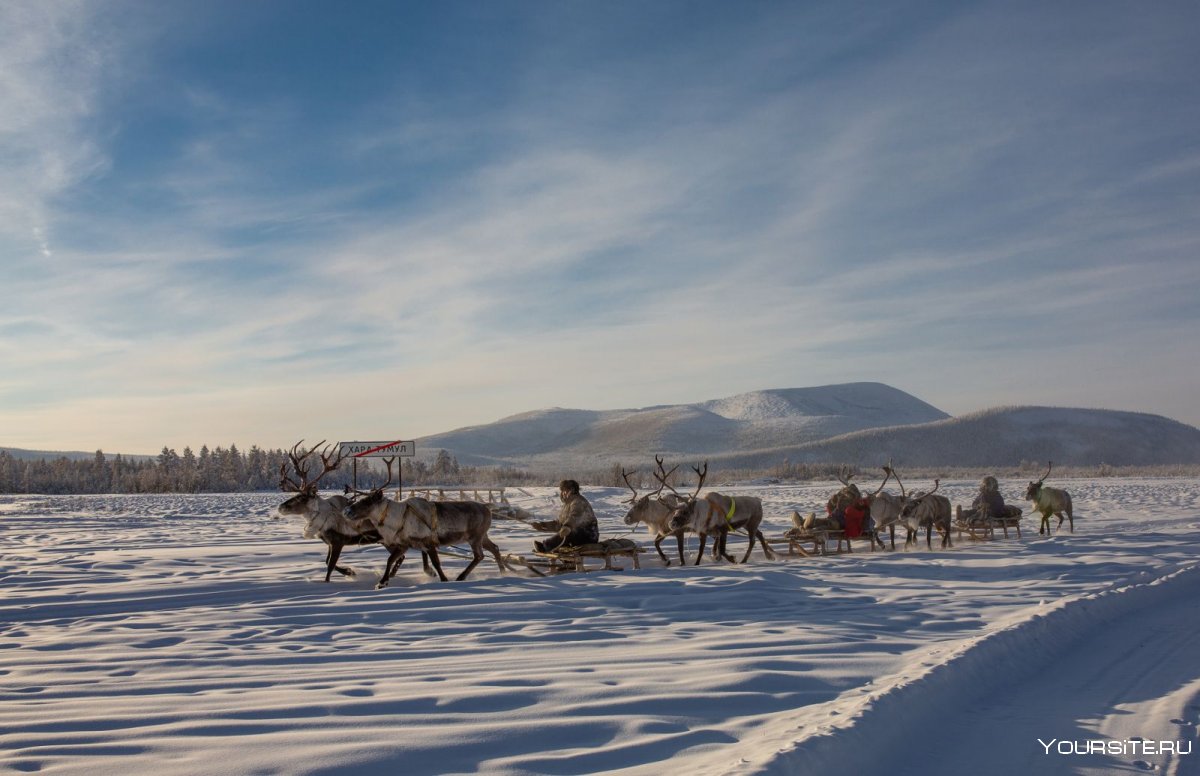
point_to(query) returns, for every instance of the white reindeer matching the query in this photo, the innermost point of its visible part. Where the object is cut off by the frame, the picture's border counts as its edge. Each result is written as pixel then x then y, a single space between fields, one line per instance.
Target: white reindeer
pixel 1050 501
pixel 654 510
pixel 886 507
pixel 323 516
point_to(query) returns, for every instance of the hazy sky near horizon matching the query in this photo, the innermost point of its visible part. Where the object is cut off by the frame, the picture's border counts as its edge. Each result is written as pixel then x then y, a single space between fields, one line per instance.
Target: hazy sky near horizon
pixel 255 222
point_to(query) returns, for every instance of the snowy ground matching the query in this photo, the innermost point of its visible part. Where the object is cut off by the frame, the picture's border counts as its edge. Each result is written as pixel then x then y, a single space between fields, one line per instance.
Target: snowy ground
pixel 193 634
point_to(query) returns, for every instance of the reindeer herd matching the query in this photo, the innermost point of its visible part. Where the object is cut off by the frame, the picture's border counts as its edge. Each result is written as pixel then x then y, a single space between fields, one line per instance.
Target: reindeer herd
pixel 370 517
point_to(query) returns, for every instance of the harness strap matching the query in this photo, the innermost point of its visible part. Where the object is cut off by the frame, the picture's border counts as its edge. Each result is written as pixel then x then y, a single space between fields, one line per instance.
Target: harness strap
pixel 716 507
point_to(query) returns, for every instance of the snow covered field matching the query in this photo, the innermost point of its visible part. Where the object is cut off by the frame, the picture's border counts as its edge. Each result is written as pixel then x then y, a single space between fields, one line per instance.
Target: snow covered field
pixel 193 634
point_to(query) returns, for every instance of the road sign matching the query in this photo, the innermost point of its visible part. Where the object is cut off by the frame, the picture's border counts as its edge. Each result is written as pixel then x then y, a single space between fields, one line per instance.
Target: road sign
pixel 399 448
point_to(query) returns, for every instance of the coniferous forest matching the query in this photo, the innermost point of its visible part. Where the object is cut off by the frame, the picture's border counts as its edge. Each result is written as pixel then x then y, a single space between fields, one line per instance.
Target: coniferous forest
pixel 219 470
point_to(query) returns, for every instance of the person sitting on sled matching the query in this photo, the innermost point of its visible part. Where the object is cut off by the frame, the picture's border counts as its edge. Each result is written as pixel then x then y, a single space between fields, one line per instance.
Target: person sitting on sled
pixel 576 523
pixel 989 503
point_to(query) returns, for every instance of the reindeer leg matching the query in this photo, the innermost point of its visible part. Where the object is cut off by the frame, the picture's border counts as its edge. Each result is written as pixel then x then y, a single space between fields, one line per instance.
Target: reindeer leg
pixel 436 560
pixel 720 549
pixel 892 531
pixel 766 547
pixel 491 547
pixel 389 569
pixel 750 535
pixel 335 550
pixel 429 572
pixel 700 552
pixel 750 532
pixel 679 540
pixel 477 555
pixel 658 546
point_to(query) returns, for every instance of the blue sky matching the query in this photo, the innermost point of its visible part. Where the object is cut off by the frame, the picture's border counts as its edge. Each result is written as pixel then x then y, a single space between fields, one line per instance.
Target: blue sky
pixel 256 222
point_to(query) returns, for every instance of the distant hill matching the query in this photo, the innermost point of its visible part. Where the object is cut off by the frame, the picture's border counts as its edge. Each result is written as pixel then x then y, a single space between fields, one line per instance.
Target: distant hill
pixel 858 423
pixel 50 455
pixel 1003 436
pixel 73 455
pixel 745 422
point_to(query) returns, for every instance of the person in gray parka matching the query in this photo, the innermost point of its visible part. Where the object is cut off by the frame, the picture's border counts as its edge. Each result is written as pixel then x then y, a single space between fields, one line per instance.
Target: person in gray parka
pixel 576 524
pixel 989 503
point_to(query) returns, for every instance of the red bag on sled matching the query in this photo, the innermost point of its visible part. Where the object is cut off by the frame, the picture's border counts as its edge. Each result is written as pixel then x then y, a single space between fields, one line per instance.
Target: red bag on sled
pixel 856 516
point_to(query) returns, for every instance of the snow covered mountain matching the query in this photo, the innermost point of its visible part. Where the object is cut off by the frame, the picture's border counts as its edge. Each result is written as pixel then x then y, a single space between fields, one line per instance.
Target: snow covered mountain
pixel 1004 436
pixel 745 422
pixel 858 423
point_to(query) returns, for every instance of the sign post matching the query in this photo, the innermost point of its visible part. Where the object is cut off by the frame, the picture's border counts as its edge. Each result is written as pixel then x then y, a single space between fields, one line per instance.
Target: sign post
pixel 398 449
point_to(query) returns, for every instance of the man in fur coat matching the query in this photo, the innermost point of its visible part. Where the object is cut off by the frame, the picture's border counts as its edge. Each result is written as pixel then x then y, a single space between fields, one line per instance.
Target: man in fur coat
pixel 989 503
pixel 576 521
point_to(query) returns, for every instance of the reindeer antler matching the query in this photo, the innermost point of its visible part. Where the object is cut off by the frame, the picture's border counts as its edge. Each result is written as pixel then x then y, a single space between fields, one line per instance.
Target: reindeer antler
pixel 662 475
pixel 892 472
pixel 625 476
pixel 287 483
pixel 354 493
pixel 326 466
pixel 844 476
pixel 702 475
pixel 1050 465
pixel 666 475
pixel 887 476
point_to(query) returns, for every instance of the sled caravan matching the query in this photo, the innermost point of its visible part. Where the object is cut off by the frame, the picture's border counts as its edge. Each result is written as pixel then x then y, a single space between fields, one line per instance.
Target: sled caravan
pixel 436 527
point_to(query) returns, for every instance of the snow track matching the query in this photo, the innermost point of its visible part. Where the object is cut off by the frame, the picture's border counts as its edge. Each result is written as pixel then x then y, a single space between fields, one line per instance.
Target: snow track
pixel 1115 666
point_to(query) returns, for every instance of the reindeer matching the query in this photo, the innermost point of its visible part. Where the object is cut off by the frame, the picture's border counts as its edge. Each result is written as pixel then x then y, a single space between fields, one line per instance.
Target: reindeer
pixel 719 514
pixel 418 522
pixel 885 507
pixel 847 495
pixel 654 510
pixel 929 510
pixel 1050 501
pixel 850 494
pixel 323 516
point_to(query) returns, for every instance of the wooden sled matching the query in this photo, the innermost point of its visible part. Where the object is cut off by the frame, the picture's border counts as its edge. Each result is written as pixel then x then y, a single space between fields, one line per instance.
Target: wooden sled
pixel 575 558
pixel 819 538
pixel 983 527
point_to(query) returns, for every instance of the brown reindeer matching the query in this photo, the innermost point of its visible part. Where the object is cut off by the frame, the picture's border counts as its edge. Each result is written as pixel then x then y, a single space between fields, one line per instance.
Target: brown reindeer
pixel 719 514
pixel 654 510
pixel 418 522
pixel 929 511
pixel 1050 501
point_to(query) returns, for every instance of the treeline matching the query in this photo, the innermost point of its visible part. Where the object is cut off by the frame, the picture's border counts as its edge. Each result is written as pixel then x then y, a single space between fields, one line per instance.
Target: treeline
pixel 229 470
pixel 223 470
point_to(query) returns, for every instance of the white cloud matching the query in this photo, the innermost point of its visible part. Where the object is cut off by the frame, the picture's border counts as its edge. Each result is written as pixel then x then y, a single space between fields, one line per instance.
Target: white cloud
pixel 832 227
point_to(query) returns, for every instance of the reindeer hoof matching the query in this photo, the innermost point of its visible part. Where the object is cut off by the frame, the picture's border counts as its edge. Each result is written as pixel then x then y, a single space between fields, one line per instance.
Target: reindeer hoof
pixel 381 586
